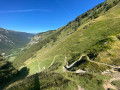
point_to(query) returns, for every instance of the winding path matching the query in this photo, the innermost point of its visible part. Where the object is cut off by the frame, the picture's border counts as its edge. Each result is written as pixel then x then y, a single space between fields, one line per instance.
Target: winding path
pixel 52 62
pixel 109 85
pixel 66 63
pixel 66 67
pixel 74 63
pixel 38 65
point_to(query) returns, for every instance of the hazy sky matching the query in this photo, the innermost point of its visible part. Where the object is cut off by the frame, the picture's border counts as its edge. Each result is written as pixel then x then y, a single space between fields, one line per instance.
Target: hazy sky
pixel 35 16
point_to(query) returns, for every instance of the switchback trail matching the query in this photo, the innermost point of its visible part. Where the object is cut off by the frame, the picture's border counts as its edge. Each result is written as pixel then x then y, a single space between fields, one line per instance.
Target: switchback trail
pixel 74 63
pixel 108 85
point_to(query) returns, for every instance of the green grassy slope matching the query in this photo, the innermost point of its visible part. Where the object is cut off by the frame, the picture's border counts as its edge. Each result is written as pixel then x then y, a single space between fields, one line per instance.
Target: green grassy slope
pixel 94 35
pixel 91 41
pixel 65 39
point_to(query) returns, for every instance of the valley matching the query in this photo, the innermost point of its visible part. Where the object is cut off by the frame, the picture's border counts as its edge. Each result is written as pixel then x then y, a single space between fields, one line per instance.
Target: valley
pixel 11 41
pixel 82 55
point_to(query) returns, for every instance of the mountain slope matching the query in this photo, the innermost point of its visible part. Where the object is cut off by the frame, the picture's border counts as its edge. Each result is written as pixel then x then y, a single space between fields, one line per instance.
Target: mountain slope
pixel 78 54
pixel 10 40
pixel 73 39
pixel 37 38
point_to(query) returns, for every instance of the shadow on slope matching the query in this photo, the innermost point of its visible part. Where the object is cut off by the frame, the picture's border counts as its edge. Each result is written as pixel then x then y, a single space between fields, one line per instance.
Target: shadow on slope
pixel 19 76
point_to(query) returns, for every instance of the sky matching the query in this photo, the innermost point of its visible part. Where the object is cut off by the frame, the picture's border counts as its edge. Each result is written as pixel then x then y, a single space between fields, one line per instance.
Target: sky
pixel 35 16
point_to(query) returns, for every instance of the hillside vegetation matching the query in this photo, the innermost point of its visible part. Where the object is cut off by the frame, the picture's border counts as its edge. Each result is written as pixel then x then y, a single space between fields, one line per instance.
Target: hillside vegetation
pixel 7 71
pixel 75 55
pixel 92 37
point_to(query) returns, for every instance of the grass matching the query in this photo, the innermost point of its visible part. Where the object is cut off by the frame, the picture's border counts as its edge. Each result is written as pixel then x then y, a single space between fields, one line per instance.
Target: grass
pixel 116 83
pixel 88 81
pixel 44 80
pixel 57 66
pixel 97 38
pixel 63 81
pixel 70 34
pixel 89 66
pixel 42 64
pixel 110 56
pixel 54 64
pixel 100 41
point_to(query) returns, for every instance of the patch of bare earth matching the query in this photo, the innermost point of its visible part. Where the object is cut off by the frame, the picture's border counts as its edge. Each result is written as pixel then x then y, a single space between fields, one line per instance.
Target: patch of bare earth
pixel 79 87
pixel 108 85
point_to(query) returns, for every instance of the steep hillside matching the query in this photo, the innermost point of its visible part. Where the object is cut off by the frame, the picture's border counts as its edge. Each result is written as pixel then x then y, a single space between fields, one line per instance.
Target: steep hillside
pixel 85 34
pixel 78 54
pixel 11 40
pixel 39 37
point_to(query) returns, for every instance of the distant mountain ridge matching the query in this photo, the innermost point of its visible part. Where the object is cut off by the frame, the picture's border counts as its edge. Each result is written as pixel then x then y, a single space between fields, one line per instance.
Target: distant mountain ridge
pixel 10 40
